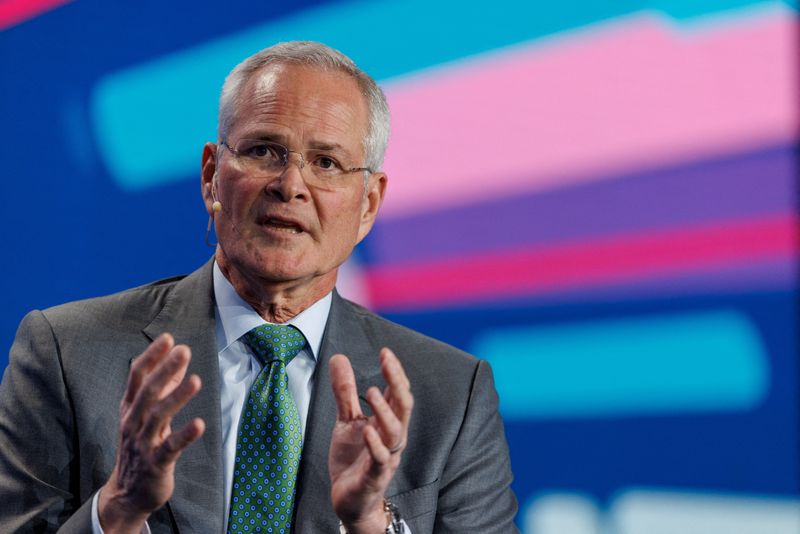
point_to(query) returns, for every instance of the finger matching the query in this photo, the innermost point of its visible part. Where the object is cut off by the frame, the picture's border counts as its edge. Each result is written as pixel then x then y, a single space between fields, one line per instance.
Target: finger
pixel 378 451
pixel 398 390
pixel 145 362
pixel 176 379
pixel 167 407
pixel 343 382
pixel 174 445
pixel 152 388
pixel 393 371
pixel 390 428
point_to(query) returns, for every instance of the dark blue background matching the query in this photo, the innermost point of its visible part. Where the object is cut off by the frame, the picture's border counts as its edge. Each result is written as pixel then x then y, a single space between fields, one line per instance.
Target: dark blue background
pixel 69 232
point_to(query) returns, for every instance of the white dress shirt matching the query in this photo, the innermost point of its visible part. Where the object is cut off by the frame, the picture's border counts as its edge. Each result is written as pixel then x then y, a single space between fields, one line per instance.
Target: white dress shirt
pixel 238 367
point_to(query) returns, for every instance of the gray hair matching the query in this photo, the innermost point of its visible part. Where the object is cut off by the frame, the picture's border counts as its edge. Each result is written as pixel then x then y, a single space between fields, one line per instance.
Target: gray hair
pixel 316 55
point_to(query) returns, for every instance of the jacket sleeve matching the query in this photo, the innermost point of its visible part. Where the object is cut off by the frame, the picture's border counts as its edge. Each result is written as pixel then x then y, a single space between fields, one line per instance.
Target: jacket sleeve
pixel 475 493
pixel 38 456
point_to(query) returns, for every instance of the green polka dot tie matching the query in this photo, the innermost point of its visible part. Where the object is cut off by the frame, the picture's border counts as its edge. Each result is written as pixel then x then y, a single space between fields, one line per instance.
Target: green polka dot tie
pixel 270 440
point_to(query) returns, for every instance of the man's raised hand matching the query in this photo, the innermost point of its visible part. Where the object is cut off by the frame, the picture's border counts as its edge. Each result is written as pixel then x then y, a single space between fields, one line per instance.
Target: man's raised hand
pixel 365 451
pixel 143 477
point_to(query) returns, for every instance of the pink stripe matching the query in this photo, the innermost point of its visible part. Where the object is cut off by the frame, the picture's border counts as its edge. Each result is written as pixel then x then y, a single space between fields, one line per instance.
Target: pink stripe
pixel 15 11
pixel 614 98
pixel 636 257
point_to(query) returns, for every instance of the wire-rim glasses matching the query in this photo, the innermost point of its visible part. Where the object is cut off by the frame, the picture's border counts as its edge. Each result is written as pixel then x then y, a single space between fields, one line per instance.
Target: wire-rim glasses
pixel 270 159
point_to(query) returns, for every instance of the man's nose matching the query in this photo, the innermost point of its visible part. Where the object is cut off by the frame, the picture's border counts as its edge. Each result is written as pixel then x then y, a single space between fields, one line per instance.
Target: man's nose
pixel 290 183
pixel 301 163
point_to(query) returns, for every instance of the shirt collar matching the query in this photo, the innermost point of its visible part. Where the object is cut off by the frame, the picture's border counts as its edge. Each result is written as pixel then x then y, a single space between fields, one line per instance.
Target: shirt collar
pixel 236 317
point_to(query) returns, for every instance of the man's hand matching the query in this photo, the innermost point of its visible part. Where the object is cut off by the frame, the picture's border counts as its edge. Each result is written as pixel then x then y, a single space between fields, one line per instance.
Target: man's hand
pixel 143 477
pixel 365 451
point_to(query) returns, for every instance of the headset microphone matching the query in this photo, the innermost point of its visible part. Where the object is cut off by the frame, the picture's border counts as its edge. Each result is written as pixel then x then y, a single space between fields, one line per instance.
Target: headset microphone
pixel 216 207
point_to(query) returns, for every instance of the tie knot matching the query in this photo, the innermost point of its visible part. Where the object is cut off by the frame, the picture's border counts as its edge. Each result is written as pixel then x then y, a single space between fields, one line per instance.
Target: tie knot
pixel 272 342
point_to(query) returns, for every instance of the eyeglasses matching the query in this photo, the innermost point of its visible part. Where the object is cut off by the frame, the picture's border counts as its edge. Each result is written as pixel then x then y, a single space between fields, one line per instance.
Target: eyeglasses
pixel 270 159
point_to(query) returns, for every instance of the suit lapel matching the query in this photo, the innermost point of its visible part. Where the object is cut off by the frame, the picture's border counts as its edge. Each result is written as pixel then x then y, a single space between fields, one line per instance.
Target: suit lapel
pixel 188 314
pixel 343 334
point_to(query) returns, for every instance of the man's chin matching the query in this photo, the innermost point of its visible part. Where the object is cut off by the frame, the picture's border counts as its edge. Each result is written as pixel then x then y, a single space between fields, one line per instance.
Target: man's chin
pixel 280 269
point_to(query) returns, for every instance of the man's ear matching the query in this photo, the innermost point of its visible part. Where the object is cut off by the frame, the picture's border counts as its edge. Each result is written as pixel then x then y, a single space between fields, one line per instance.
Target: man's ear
pixel 376 189
pixel 207 171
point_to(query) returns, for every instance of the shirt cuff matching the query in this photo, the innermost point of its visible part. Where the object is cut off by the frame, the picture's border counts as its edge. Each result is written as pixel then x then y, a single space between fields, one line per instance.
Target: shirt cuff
pixel 96 528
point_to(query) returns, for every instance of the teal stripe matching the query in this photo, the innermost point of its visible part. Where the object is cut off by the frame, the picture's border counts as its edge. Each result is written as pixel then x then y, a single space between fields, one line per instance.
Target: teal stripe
pixel 151 120
pixel 667 364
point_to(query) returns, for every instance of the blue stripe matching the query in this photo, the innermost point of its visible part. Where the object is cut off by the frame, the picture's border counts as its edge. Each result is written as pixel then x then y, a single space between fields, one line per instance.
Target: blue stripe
pixel 151 120
pixel 697 362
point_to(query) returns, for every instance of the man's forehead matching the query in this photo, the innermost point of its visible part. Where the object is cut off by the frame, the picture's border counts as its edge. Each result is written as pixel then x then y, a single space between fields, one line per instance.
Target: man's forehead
pixel 304 80
pixel 266 77
pixel 302 86
pixel 279 89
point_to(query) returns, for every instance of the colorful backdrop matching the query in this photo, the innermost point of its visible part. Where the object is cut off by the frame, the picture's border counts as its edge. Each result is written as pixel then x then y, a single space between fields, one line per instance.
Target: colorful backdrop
pixel 598 197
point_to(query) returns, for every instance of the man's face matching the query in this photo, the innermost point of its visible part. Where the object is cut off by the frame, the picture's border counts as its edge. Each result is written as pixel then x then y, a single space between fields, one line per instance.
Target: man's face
pixel 281 229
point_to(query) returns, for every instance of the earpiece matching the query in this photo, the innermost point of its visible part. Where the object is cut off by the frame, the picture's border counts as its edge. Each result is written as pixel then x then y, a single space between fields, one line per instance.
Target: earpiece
pixel 216 206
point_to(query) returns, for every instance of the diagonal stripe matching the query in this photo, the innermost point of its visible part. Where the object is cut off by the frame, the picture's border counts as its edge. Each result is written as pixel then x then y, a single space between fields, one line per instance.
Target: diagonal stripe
pixel 762 275
pixel 179 92
pixel 590 105
pixel 13 12
pixel 737 186
pixel 575 265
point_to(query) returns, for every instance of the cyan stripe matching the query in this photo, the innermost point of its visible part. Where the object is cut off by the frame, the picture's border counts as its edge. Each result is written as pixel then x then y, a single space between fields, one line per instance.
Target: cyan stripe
pixel 151 120
pixel 698 362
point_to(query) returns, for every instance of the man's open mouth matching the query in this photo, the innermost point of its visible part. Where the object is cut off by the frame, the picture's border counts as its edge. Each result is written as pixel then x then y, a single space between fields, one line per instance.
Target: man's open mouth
pixel 282 225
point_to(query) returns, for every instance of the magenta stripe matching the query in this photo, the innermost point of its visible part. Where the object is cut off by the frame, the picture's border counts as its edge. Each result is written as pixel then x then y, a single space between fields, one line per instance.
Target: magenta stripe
pixel 17 11
pixel 599 262
pixel 739 186
pixel 758 275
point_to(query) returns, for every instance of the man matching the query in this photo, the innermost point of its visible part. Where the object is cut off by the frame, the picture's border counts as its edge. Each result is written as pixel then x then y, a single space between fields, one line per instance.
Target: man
pixel 218 430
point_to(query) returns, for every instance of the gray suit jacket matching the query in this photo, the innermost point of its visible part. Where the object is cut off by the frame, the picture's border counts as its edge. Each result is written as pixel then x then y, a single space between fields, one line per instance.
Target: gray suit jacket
pixel 60 395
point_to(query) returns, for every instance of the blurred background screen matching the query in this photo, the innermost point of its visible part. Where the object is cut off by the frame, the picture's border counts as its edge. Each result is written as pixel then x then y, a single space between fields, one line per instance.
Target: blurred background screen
pixel 598 197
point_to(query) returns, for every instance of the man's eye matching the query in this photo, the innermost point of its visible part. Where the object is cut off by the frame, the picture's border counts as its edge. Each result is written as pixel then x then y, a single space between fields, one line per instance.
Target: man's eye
pixel 260 151
pixel 327 163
